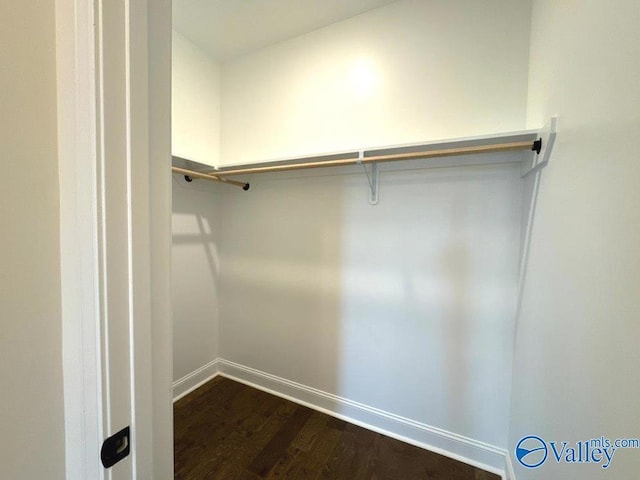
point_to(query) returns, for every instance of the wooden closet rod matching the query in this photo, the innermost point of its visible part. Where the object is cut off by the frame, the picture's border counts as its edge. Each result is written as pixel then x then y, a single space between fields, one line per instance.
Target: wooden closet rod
pixel 447 152
pixel 190 174
pixel 220 175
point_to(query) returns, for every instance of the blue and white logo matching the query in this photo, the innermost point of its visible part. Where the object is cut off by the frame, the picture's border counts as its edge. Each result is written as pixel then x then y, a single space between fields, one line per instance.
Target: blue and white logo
pixel 532 451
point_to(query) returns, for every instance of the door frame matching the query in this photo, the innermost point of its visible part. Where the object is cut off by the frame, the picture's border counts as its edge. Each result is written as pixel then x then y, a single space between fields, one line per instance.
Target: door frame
pixel 79 53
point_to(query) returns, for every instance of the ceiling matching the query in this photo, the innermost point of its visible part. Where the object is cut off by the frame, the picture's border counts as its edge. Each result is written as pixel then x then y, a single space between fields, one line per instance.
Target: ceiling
pixel 229 28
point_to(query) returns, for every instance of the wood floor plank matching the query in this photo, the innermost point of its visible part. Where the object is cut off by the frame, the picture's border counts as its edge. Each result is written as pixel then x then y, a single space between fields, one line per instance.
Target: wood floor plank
pixel 309 452
pixel 313 428
pixel 211 434
pixel 352 457
pixel 248 443
pixel 394 459
pixel 229 431
pixel 213 399
pixel 279 444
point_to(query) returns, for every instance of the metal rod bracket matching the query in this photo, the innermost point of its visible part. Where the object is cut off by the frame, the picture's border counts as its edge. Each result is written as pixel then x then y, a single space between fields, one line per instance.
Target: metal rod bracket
pixel 537 146
pixel 543 148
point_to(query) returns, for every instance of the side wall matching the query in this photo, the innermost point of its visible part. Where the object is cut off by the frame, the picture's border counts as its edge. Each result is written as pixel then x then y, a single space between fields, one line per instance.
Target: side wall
pixel 194 277
pixel 577 364
pixel 195 103
pixel 407 306
pixel 31 403
pixel 411 71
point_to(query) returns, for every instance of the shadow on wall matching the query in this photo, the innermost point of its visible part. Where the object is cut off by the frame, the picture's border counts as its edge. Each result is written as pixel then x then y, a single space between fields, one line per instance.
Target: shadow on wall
pixel 195 273
pixel 280 278
pixel 428 294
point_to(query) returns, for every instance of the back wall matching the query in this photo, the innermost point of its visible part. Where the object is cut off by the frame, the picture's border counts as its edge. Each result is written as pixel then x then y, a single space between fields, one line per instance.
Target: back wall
pixel 407 306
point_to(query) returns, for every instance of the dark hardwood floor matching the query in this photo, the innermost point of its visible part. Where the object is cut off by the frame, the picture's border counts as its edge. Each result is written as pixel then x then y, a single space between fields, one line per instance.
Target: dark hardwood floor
pixel 228 431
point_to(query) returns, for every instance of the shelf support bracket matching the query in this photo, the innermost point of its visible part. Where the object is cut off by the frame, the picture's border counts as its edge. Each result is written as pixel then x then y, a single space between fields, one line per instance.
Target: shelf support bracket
pixel 372 178
pixel 374 184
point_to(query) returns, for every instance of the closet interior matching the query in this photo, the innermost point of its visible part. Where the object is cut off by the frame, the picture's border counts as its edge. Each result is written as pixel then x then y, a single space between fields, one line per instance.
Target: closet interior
pixel 353 187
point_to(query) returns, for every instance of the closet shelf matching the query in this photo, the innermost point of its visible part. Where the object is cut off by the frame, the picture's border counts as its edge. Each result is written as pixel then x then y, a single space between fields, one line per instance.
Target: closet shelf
pixel 505 142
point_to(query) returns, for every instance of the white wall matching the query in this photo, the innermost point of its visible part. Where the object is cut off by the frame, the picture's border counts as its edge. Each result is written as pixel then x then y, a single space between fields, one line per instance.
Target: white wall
pixel 195 103
pixel 31 403
pixel 407 306
pixel 414 70
pixel 577 364
pixel 194 277
pixel 195 136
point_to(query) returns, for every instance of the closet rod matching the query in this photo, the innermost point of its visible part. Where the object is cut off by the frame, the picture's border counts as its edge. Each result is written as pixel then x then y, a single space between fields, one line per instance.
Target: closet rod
pixel 208 176
pixel 447 152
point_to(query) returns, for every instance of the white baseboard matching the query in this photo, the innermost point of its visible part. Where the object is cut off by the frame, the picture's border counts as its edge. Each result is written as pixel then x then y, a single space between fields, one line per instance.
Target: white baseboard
pixel 510 473
pixel 458 447
pixel 190 382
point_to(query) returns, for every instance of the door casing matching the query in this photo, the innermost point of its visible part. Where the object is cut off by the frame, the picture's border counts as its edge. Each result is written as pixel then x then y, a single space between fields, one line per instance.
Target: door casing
pixel 113 62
